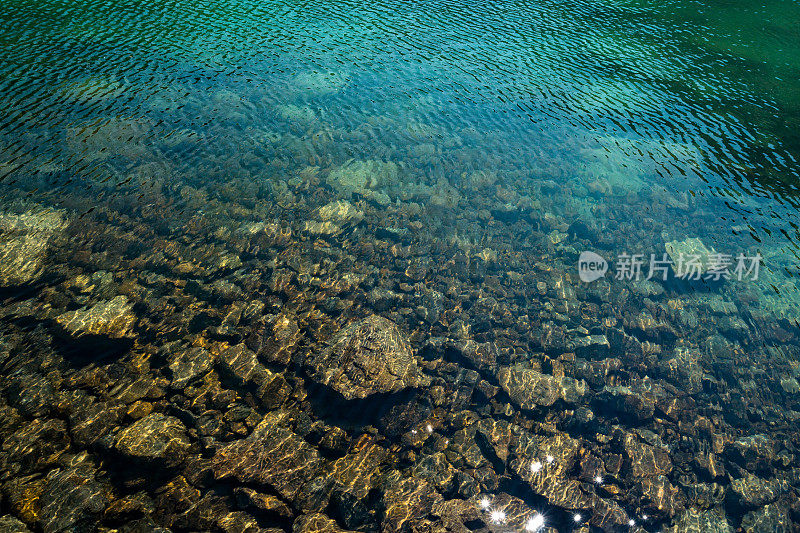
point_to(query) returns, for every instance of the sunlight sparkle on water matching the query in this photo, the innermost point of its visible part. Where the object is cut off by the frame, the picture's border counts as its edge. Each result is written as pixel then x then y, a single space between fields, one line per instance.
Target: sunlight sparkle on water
pixel 535 523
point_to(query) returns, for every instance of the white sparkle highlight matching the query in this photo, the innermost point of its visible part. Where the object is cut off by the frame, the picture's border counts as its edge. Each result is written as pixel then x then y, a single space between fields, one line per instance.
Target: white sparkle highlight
pixel 577 517
pixel 631 522
pixel 550 459
pixel 498 517
pixel 534 523
pixel 484 503
pixel 536 466
pixel 644 517
pixel 429 428
pixel 598 480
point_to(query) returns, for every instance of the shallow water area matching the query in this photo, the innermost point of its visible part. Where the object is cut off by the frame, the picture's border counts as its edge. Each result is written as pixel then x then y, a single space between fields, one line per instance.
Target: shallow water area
pixel 268 266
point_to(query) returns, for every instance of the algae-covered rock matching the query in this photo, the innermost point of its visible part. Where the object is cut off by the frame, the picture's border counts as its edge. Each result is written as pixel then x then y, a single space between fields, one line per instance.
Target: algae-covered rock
pixel 113 318
pixel 370 356
pixel 24 240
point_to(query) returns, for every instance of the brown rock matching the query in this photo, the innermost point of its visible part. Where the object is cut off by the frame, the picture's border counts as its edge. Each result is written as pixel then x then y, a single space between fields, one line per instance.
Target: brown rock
pixel 113 318
pixel 316 523
pixel 370 356
pixel 273 456
pixel 407 501
pixel 646 460
pixel 154 438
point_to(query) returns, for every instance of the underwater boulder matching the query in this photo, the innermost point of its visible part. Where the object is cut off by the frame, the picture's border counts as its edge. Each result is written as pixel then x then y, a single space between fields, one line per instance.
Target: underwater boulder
pixel 367 178
pixel 156 438
pixel 272 455
pixel 368 357
pixel 113 318
pixel 696 521
pixel 24 241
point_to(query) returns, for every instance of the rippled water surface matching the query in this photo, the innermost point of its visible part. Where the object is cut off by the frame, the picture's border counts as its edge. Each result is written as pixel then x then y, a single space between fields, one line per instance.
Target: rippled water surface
pixel 308 266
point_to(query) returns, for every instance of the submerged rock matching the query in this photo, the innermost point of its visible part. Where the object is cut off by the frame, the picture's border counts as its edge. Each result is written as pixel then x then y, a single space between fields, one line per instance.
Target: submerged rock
pixel 333 218
pixel 370 356
pixel 9 524
pixel 771 518
pixel 72 496
pixel 529 388
pixel 273 455
pixel 156 438
pixel 187 364
pixel 659 496
pixel 281 339
pixel 340 212
pixel 316 523
pixel 113 318
pixel 24 240
pixel 695 521
pixel 752 491
pixel 646 460
pixel 624 400
pixel 367 178
pixel 690 256
pixel 321 83
pixel 406 502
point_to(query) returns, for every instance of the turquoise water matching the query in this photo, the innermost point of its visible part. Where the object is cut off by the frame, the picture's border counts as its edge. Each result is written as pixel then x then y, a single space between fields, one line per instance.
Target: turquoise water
pixel 188 157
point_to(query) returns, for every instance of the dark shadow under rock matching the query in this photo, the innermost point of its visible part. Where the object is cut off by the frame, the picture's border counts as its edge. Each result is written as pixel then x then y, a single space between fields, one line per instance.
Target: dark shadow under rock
pixel 91 348
pixel 392 413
